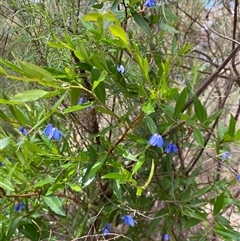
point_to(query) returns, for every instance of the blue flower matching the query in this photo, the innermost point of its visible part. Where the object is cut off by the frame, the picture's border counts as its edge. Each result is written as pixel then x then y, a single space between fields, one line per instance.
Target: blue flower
pixel 150 3
pixel 238 177
pixel 225 155
pixel 171 148
pixel 52 132
pixel 106 229
pixel 128 220
pixel 81 101
pixel 23 130
pixel 120 69
pixel 166 237
pixel 156 139
pixel 19 206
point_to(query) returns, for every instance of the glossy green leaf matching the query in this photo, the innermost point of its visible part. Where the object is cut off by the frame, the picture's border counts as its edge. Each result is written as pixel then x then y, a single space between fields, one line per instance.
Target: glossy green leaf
pixel 54 203
pixel 198 137
pixel 119 32
pixel 115 176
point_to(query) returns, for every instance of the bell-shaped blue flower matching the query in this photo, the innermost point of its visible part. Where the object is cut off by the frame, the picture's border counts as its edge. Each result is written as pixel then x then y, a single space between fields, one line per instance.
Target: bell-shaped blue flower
pixel 23 130
pixel 106 229
pixel 150 3
pixel 156 140
pixel 128 220
pixel 225 155
pixel 19 206
pixel 120 69
pixel 52 132
pixel 238 177
pixel 171 148
pixel 81 101
pixel 166 237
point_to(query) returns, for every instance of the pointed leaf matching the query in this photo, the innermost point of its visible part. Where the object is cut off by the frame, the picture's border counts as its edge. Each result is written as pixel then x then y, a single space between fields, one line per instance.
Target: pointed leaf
pixel 54 204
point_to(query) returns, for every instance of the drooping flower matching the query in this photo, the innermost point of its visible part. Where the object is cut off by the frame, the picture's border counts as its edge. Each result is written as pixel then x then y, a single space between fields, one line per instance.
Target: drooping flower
pixel 171 148
pixel 128 220
pixel 19 206
pixel 81 100
pixel 52 132
pixel 166 237
pixel 150 3
pixel 156 140
pixel 225 155
pixel 238 177
pixel 23 130
pixel 120 69
pixel 106 229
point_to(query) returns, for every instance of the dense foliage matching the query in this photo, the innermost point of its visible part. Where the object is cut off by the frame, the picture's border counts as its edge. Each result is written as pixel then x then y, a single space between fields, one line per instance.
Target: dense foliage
pixel 104 136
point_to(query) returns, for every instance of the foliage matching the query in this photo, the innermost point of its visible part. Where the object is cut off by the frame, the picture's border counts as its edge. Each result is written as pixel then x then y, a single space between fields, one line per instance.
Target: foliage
pixel 104 141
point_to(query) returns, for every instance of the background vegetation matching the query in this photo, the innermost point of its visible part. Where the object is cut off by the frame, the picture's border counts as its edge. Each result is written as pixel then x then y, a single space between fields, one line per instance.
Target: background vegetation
pixel 119 120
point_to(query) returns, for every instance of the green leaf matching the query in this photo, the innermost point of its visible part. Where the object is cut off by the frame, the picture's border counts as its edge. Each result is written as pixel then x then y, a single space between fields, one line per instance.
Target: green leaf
pixel 232 125
pixel 77 107
pixel 174 45
pixel 198 137
pixel 44 182
pixel 200 110
pixel 150 175
pixel 218 204
pixel 141 22
pixel 4 142
pixel 164 26
pixel 3 71
pixel 5 184
pixel 139 163
pixel 148 107
pixel 151 124
pixel 221 130
pixel 115 176
pixel 100 79
pixel 213 117
pixel 29 95
pixel 191 222
pixel 97 166
pixel 92 16
pixel 195 213
pixel 32 70
pixel 180 103
pixel 101 92
pixel 227 233
pixel 54 204
pixel 119 32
